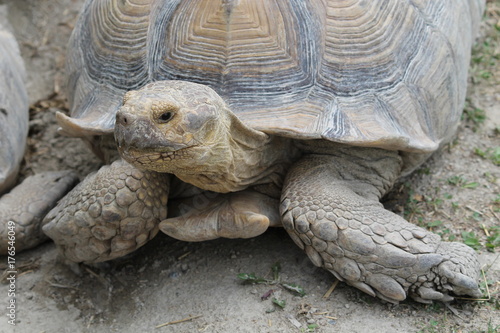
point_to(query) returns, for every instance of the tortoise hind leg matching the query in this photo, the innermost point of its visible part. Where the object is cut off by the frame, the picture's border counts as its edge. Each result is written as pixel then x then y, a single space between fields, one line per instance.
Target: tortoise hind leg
pixel 330 208
pixel 111 213
pixel 210 215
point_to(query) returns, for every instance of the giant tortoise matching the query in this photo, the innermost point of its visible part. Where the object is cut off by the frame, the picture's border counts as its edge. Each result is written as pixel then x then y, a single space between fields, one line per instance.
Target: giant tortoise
pixel 240 109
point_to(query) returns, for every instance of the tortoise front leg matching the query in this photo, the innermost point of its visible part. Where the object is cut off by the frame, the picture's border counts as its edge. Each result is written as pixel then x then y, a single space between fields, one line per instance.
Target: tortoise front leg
pixel 330 208
pixel 111 213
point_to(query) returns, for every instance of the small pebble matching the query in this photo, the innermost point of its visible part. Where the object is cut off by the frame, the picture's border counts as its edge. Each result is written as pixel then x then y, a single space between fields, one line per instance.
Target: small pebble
pixel 347 306
pixel 174 275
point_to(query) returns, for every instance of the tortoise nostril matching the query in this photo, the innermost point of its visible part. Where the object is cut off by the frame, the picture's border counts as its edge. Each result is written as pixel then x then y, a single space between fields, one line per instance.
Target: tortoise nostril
pixel 123 119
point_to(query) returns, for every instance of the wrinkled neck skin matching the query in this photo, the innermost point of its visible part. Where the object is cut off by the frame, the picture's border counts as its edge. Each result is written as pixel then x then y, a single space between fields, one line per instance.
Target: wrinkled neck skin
pixel 238 157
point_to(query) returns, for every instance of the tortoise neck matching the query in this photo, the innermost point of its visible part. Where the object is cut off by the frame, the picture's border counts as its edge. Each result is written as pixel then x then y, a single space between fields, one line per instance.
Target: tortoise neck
pixel 241 157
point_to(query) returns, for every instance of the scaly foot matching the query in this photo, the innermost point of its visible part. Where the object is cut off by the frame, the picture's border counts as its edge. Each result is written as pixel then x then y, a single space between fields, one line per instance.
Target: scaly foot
pixel 111 213
pixel 366 246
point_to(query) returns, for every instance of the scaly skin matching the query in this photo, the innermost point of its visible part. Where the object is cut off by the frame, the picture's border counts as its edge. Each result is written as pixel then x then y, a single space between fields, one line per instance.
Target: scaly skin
pixel 28 203
pixel 330 209
pixel 111 213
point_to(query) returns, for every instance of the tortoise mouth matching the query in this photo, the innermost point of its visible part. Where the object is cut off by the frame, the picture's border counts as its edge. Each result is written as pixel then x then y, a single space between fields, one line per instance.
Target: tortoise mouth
pixel 156 159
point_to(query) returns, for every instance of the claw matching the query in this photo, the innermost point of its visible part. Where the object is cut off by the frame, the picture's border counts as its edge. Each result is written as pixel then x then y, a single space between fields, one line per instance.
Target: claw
pixel 363 287
pixel 460 284
pixel 387 299
pixel 464 285
pixel 421 300
pixel 460 272
pixel 388 287
pixel 431 294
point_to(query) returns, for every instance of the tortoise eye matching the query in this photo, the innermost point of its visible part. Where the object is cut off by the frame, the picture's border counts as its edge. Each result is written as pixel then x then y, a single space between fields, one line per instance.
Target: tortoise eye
pixel 166 117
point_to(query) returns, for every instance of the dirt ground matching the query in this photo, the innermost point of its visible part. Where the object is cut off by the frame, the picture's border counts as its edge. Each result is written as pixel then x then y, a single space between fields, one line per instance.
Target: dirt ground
pixel 455 194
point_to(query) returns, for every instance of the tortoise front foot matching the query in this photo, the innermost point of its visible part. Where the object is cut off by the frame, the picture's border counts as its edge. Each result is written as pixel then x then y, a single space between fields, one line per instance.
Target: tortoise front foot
pixel 111 213
pixel 370 248
pixel 212 215
pixel 23 209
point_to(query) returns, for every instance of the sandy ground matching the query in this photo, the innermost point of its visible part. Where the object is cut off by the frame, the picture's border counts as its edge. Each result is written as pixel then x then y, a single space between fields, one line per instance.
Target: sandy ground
pixel 456 192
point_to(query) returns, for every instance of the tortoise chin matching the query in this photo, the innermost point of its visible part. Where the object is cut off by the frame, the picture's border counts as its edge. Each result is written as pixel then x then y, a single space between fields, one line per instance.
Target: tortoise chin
pixel 156 159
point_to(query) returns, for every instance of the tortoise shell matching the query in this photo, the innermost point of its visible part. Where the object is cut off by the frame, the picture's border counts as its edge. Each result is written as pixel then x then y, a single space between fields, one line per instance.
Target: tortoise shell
pixel 13 109
pixel 390 74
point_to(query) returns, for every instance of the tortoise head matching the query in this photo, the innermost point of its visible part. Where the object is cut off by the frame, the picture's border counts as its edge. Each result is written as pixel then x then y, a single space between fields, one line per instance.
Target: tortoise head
pixel 167 125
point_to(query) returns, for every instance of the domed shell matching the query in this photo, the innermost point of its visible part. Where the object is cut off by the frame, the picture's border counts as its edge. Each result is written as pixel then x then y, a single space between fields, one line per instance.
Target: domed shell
pixel 389 74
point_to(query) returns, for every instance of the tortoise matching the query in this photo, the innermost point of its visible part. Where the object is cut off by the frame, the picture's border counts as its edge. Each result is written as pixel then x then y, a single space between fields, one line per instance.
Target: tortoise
pixel 13 109
pixel 249 114
pixel 28 203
